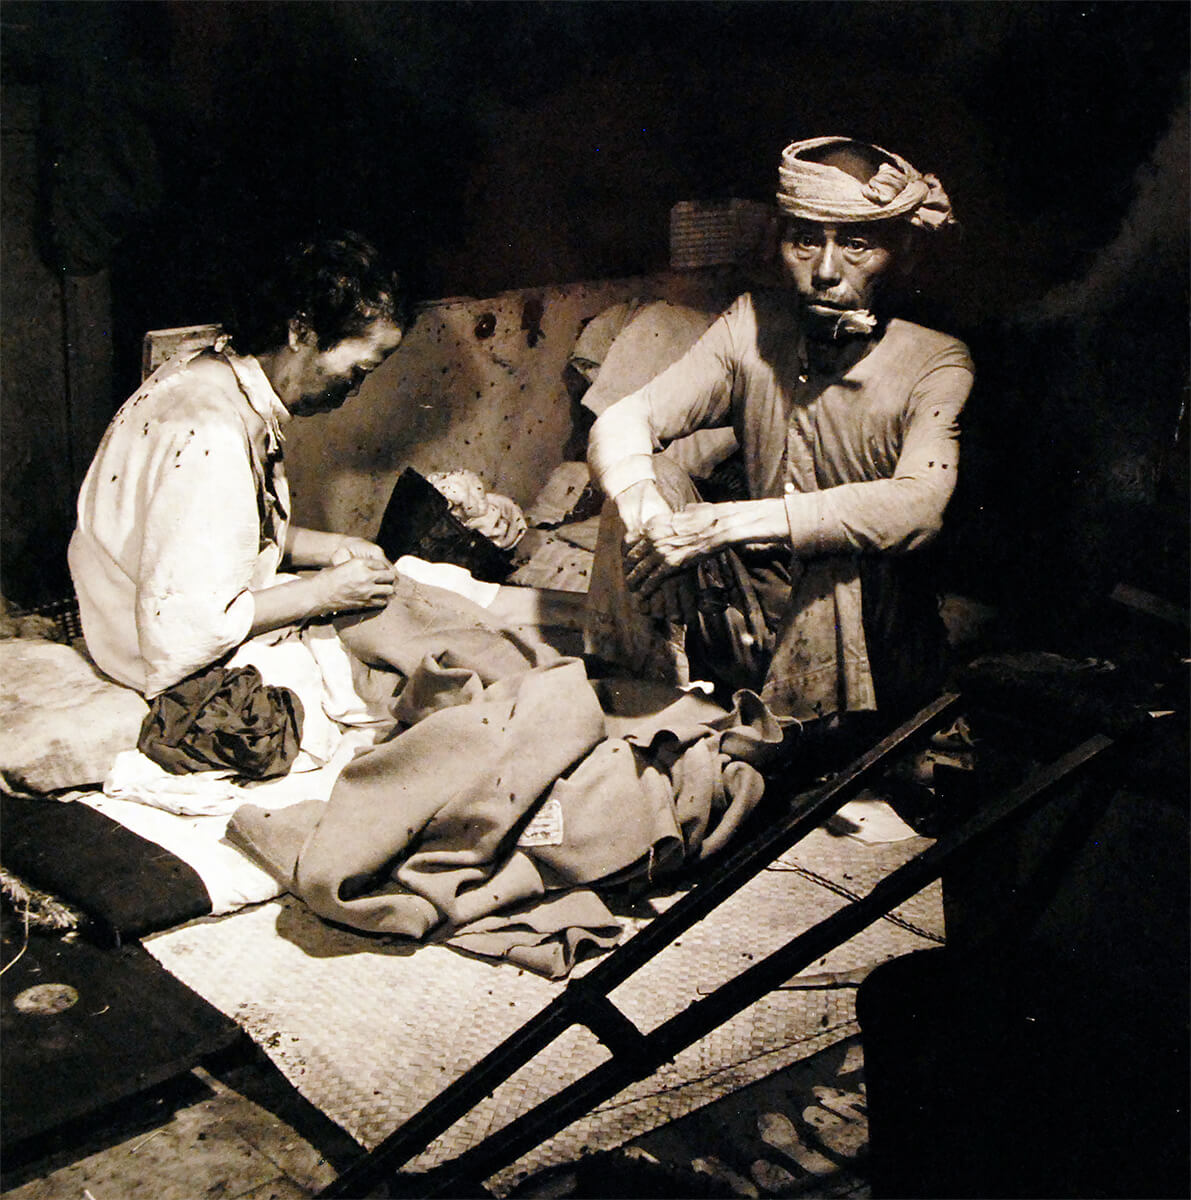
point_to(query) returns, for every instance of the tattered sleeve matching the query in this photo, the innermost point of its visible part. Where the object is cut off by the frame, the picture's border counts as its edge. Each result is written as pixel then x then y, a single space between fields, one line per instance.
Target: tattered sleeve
pixel 905 511
pixel 199 550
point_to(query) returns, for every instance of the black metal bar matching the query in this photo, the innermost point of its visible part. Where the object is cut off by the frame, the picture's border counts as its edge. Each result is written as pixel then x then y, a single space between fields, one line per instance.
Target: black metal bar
pixel 464 1174
pixel 808 811
pixel 605 1020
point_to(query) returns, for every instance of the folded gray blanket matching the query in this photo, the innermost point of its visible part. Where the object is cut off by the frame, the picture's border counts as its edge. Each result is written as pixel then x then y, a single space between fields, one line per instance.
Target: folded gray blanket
pixel 500 806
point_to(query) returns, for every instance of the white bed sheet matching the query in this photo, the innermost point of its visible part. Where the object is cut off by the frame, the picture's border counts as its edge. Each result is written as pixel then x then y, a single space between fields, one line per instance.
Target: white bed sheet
pixel 231 878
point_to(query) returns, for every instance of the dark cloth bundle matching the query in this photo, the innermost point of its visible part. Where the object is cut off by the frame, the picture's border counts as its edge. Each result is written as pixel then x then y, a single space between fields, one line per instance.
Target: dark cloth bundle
pixel 224 719
pixel 730 636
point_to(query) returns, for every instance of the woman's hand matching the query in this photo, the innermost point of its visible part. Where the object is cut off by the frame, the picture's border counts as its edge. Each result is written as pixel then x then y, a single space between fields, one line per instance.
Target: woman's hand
pixel 357 547
pixel 356 582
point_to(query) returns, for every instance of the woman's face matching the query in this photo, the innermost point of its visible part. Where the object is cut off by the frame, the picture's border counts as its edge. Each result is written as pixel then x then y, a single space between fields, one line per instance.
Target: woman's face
pixel 326 379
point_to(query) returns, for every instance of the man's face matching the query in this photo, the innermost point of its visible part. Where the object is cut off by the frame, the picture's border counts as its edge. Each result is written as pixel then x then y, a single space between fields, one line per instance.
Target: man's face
pixel 325 379
pixel 835 268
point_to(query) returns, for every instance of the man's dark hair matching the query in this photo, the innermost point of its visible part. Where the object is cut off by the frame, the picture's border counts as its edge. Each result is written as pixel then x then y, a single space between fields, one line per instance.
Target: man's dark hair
pixel 334 287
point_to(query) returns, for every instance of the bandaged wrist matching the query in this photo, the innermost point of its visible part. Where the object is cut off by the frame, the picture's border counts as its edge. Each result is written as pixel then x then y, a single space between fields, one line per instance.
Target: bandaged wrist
pixel 804 515
pixel 621 475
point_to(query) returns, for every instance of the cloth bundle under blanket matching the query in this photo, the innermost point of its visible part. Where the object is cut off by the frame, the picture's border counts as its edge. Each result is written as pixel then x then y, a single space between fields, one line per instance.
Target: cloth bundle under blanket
pixel 512 789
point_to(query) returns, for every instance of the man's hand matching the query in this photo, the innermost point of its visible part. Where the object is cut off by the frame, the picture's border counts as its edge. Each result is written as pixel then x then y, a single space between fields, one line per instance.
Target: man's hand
pixel 637 506
pixel 668 543
pixel 356 582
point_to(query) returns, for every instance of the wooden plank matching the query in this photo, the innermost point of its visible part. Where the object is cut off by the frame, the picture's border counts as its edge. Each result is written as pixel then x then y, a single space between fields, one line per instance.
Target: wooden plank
pixel 83 1028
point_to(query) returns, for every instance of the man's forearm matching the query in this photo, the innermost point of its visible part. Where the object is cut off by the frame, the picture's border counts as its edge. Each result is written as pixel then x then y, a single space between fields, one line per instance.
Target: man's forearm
pixel 743 522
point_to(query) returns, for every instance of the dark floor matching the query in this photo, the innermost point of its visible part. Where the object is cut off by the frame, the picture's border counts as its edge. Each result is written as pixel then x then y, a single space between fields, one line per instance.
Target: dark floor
pixel 236 1130
pixel 232 1129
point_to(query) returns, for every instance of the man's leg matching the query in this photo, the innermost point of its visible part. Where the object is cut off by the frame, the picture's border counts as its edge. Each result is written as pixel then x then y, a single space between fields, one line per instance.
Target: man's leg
pixel 617 631
pixel 542 616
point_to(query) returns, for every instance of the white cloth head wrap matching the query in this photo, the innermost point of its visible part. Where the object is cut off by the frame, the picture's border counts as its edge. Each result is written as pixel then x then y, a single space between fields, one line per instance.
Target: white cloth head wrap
pixel 817 192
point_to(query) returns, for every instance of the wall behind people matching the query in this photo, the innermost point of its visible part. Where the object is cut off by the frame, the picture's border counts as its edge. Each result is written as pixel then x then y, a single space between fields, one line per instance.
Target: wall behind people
pixel 496 146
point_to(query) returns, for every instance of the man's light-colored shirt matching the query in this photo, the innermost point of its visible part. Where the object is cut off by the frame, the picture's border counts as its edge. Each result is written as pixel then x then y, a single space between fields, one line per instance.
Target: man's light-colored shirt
pixel 864 459
pixel 182 513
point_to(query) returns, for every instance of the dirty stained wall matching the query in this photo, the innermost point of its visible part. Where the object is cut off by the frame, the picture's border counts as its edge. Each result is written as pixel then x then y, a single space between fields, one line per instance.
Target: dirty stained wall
pixel 477 383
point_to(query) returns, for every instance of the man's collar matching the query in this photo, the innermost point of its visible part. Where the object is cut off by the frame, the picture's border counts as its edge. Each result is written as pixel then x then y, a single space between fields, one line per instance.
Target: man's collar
pixel 835 358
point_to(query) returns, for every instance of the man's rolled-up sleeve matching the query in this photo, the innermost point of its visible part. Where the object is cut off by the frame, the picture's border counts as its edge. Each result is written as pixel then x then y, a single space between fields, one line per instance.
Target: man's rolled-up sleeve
pixel 905 511
pixel 692 393
pixel 199 554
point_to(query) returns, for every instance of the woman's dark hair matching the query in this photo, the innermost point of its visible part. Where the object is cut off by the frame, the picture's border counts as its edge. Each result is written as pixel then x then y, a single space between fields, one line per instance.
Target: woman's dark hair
pixel 334 287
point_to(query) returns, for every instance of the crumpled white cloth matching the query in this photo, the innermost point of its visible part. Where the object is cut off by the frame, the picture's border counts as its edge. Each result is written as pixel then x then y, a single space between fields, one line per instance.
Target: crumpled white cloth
pixel 352 693
pixel 135 777
pixel 345 706
pixel 449 577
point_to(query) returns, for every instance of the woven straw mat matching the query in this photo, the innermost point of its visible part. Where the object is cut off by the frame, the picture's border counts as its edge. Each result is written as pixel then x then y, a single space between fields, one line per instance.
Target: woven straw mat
pixel 370 1030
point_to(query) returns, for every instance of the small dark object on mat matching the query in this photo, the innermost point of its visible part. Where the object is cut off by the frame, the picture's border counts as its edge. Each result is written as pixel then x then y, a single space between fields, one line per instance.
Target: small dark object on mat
pixel 224 719
pixel 418 521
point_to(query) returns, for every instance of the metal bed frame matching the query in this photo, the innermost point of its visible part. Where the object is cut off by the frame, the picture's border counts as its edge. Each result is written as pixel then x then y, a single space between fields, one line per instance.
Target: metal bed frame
pixel 636 1055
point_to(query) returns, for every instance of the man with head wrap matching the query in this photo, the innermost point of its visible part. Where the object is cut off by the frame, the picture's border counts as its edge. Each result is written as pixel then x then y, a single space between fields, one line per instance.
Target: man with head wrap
pixel 808 591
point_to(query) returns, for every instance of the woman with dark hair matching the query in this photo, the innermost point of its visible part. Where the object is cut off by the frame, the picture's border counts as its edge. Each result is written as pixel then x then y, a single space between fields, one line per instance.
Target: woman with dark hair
pixel 184 515
pixel 337 287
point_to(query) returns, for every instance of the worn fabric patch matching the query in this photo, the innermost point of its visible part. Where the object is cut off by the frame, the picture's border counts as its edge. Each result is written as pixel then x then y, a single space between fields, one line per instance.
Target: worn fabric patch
pixel 62 721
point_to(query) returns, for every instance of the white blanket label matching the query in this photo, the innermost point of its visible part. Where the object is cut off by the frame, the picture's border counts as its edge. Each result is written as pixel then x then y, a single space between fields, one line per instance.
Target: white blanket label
pixel 545 826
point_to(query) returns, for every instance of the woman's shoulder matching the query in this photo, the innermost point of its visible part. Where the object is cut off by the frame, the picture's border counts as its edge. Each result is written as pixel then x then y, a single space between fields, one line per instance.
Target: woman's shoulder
pixel 203 391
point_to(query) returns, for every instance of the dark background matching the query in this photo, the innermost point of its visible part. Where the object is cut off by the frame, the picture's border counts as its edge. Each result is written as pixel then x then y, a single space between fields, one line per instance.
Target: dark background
pixel 502 145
